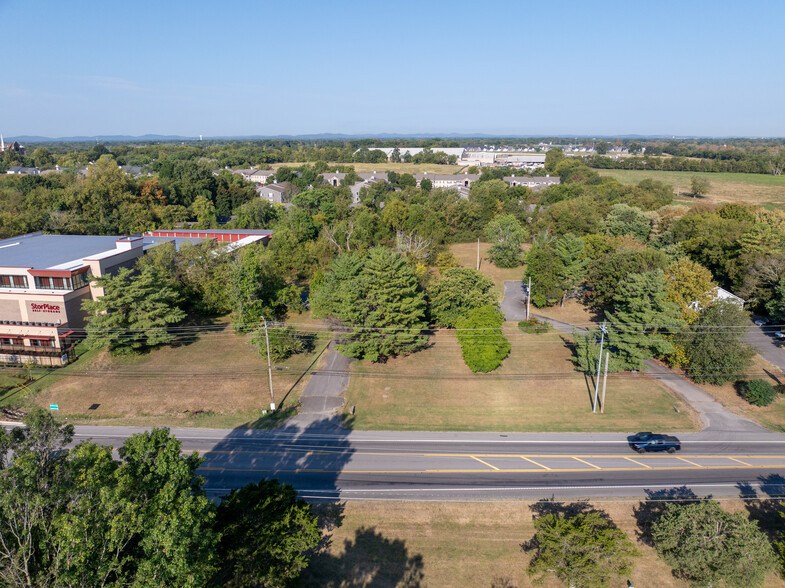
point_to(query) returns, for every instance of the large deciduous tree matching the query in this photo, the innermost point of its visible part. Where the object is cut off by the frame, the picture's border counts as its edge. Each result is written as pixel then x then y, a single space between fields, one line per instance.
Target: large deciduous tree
pixel 709 546
pixel 506 234
pixel 458 291
pixel 715 346
pixel 266 534
pixel 134 312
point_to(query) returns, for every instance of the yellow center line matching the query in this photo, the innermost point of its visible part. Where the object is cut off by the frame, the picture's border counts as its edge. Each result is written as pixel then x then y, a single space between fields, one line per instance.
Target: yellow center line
pixel 638 462
pixel 697 465
pixel 485 462
pixel 587 463
pixel 534 462
pixel 738 460
pixel 483 471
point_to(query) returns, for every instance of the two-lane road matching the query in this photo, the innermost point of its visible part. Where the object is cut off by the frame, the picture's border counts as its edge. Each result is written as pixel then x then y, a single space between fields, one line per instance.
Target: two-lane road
pixel 478 466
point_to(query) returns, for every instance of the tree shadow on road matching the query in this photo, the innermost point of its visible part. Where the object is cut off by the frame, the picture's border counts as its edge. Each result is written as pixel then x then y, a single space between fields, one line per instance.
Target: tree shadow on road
pixel 656 504
pixel 766 508
pixel 311 459
pixel 370 560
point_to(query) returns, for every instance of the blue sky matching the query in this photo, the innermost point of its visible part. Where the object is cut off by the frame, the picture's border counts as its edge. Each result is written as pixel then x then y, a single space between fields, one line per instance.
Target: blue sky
pixel 294 67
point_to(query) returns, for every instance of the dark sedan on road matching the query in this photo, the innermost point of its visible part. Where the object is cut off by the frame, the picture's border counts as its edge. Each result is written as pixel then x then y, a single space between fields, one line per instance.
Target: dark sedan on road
pixel 648 441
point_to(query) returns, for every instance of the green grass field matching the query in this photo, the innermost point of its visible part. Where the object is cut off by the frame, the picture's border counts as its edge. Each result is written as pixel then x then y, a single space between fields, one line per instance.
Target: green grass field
pixel 536 389
pixel 759 189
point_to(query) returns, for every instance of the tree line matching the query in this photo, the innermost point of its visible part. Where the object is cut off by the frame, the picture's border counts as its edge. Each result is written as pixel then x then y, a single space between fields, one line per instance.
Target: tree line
pixel 75 516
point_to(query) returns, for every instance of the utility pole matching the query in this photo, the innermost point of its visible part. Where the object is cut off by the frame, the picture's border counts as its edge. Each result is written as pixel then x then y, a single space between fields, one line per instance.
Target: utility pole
pixel 604 382
pixel 599 365
pixel 269 366
pixel 478 254
pixel 528 297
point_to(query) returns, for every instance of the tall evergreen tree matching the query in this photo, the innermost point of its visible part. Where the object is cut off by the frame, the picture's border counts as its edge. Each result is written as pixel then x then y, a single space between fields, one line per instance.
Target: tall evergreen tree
pixel 641 318
pixel 385 308
pixel 573 267
pixel 134 312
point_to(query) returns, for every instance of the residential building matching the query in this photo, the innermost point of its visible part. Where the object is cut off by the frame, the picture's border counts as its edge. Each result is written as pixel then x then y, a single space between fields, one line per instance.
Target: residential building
pixel 261 176
pixel 275 193
pixel 23 171
pixel 333 179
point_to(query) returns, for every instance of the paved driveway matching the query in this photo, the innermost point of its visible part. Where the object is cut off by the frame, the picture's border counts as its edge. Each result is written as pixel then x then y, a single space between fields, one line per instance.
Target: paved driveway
pixel 762 338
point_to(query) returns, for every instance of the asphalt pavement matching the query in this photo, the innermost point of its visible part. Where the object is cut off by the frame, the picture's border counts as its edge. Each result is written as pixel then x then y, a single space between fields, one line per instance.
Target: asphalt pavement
pixel 767 345
pixel 326 462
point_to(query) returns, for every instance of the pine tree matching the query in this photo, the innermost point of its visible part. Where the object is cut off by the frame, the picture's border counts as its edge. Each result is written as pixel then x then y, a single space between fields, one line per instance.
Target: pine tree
pixel 385 307
pixel 134 312
pixel 641 319
pixel 586 549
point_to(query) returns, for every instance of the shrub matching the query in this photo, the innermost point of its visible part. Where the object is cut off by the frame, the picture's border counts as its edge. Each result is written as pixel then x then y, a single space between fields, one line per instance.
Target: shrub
pixel 482 341
pixel 284 342
pixel 534 326
pixel 758 392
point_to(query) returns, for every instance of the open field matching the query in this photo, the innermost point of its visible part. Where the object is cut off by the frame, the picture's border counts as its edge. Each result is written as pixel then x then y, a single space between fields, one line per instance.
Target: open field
pixel 401 168
pixel 772 416
pixel 725 187
pixel 535 389
pixel 215 380
pixel 573 312
pixel 380 544
pixel 466 254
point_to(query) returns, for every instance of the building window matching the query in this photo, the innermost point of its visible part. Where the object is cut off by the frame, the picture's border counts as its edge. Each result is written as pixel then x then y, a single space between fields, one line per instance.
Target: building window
pixel 80 280
pixel 13 281
pixel 47 283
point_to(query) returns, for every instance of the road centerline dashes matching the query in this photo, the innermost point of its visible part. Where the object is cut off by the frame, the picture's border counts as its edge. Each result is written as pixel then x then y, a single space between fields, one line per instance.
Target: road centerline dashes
pixel 587 463
pixel 640 463
pixel 690 462
pixel 485 463
pixel 534 462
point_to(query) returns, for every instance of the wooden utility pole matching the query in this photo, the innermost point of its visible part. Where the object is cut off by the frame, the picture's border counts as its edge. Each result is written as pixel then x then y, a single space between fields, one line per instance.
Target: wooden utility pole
pixel 269 366
pixel 604 381
pixel 528 297
pixel 478 254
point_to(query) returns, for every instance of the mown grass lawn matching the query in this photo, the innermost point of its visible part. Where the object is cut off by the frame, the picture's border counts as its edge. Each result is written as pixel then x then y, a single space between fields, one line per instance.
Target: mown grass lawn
pixel 536 389
pixel 464 544
pixel 215 380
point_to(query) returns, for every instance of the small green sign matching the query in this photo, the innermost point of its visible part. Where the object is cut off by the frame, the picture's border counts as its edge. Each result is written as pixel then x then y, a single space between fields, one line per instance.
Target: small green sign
pixel 54 407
